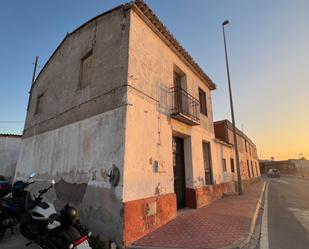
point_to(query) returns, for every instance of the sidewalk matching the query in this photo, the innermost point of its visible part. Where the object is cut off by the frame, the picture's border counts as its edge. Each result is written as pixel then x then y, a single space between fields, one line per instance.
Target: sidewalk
pixel 224 223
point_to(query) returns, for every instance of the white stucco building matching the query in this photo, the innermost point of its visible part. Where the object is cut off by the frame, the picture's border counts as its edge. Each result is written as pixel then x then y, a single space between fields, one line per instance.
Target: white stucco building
pixel 121 92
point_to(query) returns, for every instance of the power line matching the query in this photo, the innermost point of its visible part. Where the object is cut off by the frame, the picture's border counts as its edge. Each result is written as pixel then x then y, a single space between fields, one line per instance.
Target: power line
pixel 11 121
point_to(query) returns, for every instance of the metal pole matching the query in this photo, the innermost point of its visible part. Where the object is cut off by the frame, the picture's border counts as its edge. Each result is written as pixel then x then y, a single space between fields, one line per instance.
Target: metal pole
pixel 239 183
pixel 34 70
pixel 33 78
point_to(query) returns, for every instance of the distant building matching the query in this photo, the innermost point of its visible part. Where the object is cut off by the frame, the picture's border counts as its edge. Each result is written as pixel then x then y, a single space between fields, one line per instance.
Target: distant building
pixel 121 93
pixel 9 152
pixel 248 156
pixel 295 167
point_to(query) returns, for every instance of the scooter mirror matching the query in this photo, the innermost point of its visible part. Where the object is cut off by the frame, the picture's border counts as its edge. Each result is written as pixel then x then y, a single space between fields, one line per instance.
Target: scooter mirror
pixel 32 175
pixel 53 182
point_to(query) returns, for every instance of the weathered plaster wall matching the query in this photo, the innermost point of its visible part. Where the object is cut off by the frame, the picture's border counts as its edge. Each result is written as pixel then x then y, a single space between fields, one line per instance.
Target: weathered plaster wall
pixel 79 133
pixel 59 81
pixel 9 152
pixel 148 173
pixel 302 167
pixel 296 167
pixel 149 126
pixel 78 156
pixel 225 151
pixel 246 148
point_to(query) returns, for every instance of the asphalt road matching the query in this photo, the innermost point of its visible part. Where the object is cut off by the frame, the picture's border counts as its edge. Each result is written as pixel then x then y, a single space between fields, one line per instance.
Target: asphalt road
pixel 286 223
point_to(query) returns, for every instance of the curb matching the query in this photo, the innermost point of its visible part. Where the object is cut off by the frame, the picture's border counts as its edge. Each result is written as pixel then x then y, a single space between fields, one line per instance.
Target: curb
pixel 254 219
pixel 245 240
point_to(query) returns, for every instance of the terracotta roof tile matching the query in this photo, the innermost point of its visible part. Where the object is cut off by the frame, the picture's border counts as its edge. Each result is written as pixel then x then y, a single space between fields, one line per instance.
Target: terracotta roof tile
pixel 169 36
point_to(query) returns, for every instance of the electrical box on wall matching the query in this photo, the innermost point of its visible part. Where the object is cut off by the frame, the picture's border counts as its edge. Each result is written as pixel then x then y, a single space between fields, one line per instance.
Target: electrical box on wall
pixel 151 208
pixel 158 166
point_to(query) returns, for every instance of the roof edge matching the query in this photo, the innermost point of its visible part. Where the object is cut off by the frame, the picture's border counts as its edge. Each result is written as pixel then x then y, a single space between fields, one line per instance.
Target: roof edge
pixel 142 9
pixel 10 135
pixel 239 132
pixel 219 141
pixel 71 33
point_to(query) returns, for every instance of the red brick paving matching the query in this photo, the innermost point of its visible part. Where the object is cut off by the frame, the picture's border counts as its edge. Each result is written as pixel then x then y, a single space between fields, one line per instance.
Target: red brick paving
pixel 220 224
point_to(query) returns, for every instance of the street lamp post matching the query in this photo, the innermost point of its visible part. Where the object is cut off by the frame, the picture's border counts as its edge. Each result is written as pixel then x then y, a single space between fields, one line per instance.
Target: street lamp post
pixel 239 185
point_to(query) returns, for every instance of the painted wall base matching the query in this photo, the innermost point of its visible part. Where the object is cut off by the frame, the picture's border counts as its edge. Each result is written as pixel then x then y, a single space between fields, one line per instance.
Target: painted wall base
pixel 145 215
pixel 200 197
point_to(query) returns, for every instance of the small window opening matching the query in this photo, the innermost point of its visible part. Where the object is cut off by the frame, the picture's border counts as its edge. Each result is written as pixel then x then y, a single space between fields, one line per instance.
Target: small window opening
pixel 86 70
pixel 39 104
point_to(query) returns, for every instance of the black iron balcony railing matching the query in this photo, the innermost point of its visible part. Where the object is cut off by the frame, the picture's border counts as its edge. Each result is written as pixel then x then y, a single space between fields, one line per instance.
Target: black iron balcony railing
pixel 184 106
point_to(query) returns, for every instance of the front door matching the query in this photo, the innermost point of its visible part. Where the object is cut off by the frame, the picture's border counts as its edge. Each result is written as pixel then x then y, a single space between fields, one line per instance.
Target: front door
pixel 179 172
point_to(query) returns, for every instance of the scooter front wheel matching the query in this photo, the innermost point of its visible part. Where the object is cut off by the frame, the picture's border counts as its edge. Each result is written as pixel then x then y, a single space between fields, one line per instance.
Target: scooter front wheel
pixel 26 231
pixel 2 231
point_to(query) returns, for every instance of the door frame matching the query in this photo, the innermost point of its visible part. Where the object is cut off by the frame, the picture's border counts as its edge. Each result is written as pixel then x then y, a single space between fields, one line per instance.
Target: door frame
pixel 183 176
pixel 210 162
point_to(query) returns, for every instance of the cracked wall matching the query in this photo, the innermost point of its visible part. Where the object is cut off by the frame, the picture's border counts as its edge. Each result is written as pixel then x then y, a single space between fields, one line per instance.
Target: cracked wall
pixel 80 172
pixel 79 133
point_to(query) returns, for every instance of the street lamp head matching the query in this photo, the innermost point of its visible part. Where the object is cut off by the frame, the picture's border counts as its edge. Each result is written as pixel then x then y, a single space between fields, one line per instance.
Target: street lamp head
pixel 225 23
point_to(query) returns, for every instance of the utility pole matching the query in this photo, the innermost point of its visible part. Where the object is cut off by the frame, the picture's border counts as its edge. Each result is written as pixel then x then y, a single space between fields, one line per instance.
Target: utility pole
pixel 33 78
pixel 239 183
pixel 34 70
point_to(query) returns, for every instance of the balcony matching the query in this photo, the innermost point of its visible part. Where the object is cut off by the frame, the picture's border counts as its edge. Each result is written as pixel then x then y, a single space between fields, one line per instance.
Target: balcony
pixel 185 107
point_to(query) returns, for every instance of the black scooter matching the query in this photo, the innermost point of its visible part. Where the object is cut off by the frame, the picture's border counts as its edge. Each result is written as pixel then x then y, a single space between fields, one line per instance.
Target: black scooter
pixel 12 207
pixel 67 234
pixel 44 227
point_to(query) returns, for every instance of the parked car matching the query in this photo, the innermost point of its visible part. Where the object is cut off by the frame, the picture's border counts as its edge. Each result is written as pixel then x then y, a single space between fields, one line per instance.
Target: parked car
pixel 273 173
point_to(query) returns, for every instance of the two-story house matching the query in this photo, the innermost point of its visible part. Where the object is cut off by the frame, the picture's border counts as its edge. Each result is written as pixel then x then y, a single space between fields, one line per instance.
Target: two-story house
pixel 248 157
pixel 121 97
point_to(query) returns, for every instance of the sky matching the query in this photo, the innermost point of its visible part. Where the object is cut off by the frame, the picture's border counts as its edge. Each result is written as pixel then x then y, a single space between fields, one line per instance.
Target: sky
pixel 268 46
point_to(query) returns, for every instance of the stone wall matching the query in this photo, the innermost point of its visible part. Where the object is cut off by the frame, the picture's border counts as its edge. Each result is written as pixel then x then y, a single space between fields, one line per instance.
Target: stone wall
pixel 9 152
pixel 79 157
pixel 287 167
pixel 77 134
pixel 63 99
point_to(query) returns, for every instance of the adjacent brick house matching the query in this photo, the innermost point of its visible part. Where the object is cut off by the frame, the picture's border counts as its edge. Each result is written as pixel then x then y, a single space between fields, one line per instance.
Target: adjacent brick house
pixel 121 92
pixel 249 161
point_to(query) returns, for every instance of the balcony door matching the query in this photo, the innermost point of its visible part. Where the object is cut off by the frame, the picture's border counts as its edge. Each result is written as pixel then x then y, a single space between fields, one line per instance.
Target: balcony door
pixel 177 93
pixel 179 171
pixel 181 102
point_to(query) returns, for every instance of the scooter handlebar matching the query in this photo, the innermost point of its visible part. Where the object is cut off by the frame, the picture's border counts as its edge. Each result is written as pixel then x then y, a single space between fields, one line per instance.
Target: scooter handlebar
pixel 43 191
